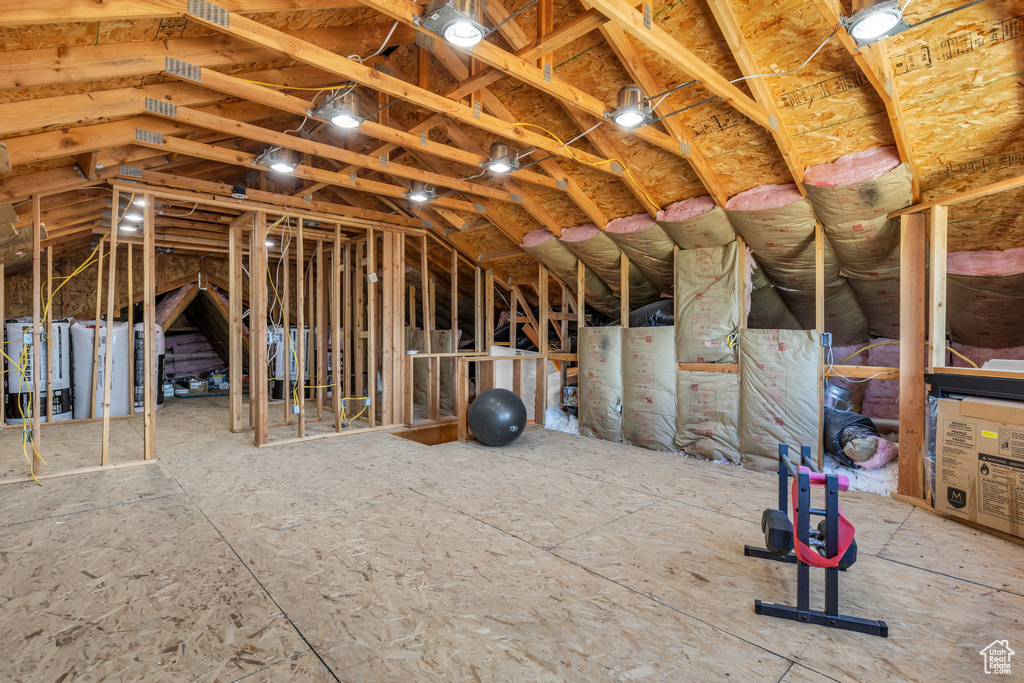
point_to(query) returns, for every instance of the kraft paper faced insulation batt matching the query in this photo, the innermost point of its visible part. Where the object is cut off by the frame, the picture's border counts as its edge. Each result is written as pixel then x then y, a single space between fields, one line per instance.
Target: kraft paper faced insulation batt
pixel 504 378
pixel 880 301
pixel 778 394
pixel 600 382
pixel 778 225
pixel 414 342
pixel 649 388
pixel 647 245
pixel 598 251
pixel 708 301
pixel 553 253
pixel 767 309
pixel 985 297
pixel 441 342
pixel 708 415
pixel 696 223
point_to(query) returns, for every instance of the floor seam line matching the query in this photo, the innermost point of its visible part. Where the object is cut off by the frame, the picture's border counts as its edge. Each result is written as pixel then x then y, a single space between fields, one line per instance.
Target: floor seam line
pixel 101 507
pixel 950 576
pixel 257 580
pixel 273 664
pixel 611 521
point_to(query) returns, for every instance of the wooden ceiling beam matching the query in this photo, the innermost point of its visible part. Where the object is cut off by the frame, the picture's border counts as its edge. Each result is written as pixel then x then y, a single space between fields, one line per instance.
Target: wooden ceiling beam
pixel 207 189
pixel 247 160
pixel 745 59
pixel 412 139
pixel 193 117
pixel 642 76
pixel 494 56
pixel 663 43
pixel 53 144
pixel 873 61
pixel 63 11
pixel 82 63
pixel 254 32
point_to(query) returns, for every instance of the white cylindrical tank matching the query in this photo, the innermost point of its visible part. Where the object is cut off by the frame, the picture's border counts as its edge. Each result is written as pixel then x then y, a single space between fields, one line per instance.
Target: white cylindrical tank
pixel 139 347
pixel 85 390
pixel 56 348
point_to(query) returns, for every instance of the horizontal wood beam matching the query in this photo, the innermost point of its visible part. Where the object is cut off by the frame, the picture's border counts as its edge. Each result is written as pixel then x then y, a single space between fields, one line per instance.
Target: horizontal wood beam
pixel 254 32
pixel 52 66
pixel 662 42
pixel 965 196
pixel 63 11
pixel 299 144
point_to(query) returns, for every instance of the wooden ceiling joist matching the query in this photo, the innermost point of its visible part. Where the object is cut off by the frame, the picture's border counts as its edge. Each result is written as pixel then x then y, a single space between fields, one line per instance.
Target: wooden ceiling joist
pixel 254 32
pixel 24 13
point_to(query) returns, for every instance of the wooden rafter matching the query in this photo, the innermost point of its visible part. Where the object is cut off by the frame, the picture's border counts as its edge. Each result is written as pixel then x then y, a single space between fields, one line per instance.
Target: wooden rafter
pixel 730 27
pixel 874 64
pixel 24 13
pixel 254 32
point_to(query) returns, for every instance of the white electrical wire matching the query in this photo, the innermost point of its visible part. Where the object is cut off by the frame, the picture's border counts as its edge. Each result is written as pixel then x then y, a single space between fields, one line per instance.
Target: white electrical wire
pixel 786 73
pixel 179 215
pixel 380 49
pixel 831 370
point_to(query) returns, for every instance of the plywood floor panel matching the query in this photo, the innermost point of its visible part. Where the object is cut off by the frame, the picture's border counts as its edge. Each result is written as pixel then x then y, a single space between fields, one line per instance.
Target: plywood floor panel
pixel 723 488
pixel 557 558
pixel 693 559
pixel 416 591
pixel 141 592
pixel 537 504
pixel 933 542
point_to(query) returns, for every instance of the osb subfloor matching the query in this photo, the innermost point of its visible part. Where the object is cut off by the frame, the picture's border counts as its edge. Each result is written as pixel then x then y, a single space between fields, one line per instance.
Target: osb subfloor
pixel 372 557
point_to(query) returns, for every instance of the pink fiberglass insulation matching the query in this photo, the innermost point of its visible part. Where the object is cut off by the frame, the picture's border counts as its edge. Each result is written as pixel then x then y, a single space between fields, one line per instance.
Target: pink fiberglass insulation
pixel 536 237
pixel 686 209
pixel 765 197
pixel 982 356
pixel 578 233
pixel 648 246
pixel 596 249
pixel 986 263
pixel 853 168
pixel 985 297
pixel 634 223
pixel 696 223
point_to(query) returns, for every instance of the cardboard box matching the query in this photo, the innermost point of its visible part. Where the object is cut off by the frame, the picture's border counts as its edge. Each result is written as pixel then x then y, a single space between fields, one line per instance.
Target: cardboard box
pixel 979 469
pixel 198 386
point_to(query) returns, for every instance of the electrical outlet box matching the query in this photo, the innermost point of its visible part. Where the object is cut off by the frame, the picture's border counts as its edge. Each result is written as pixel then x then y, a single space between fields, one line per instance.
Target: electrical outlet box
pixel 274 338
pixel 372 277
pixel 27 338
pixel 826 339
pixel 295 408
pixel 366 401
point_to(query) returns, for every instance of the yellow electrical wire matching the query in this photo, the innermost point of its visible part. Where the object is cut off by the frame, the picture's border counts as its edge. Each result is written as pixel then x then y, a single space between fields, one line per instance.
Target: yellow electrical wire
pixel 890 343
pixel 294 87
pixel 620 162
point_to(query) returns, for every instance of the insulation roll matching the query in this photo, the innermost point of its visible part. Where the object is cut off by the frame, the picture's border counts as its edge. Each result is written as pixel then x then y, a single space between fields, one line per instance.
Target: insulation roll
pixel 708 301
pixel 56 350
pixel 880 301
pixel 85 389
pixel 696 223
pixel 843 317
pixel 138 381
pixel 778 395
pixel 708 415
pixel 767 309
pixel 777 224
pixel 648 388
pixel 867 248
pixel 553 253
pixel 597 250
pixel 442 341
pixel 600 382
pixel 860 186
pixel 985 297
pixel 799 273
pixel 646 245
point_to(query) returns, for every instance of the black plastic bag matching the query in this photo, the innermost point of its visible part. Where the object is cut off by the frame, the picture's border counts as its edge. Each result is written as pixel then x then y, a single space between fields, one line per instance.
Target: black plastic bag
pixel 841 428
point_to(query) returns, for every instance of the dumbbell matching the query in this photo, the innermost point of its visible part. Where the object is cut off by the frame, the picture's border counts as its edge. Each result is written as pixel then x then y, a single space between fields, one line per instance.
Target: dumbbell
pixel 849 557
pixel 778 531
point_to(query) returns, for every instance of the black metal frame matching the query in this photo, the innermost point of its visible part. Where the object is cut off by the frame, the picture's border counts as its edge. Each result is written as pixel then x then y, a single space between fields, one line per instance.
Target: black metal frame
pixel 942 385
pixel 802 612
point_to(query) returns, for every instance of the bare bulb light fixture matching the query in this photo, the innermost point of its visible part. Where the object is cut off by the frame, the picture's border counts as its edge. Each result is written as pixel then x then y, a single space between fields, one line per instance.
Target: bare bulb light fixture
pixel 277 159
pixel 239 192
pixel 501 160
pixel 632 108
pixel 342 111
pixel 133 216
pixel 139 201
pixel 419 192
pixel 875 23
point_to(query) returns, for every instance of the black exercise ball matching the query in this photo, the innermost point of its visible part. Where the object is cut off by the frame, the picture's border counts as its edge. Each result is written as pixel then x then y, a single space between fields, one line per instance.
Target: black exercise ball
pixel 497 417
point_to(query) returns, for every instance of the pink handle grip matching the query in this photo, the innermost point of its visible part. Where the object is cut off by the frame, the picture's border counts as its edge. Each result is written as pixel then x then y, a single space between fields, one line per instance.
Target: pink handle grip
pixel 819 479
